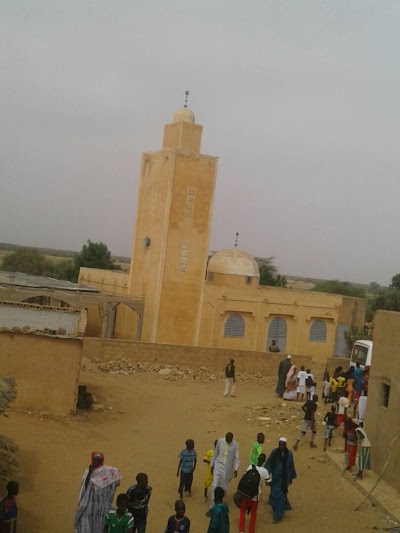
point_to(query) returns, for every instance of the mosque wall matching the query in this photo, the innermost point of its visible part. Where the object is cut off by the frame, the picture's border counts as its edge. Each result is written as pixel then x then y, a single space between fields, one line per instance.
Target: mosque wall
pixel 307 320
pixel 383 407
pixel 46 370
pixel 214 359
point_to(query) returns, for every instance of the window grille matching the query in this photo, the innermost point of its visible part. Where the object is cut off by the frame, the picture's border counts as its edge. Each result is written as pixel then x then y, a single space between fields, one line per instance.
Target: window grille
pixel 234 326
pixel 184 257
pixel 189 203
pixel 318 331
pixel 277 331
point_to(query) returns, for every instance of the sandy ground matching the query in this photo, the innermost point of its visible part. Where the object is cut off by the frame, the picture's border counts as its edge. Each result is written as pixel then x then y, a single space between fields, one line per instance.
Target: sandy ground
pixel 150 420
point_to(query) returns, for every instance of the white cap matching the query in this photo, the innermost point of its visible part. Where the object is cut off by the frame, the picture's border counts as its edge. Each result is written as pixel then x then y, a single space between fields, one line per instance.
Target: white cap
pixel 288 356
pixel 282 439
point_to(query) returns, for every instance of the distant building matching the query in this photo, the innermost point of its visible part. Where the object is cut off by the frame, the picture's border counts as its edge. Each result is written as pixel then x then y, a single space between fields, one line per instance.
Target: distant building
pixel 383 407
pixel 221 305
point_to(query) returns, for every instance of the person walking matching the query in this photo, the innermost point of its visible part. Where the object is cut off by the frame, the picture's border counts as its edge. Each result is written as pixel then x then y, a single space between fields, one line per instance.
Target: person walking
pixel 138 500
pixel 363 461
pixel 98 486
pixel 186 467
pixel 230 379
pixel 224 464
pixel 280 465
pixel 249 503
pixel 283 369
pixel 309 409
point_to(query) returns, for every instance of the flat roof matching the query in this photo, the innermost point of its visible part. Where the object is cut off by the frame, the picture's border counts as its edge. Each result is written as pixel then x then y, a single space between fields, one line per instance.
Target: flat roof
pixel 20 279
pixel 43 320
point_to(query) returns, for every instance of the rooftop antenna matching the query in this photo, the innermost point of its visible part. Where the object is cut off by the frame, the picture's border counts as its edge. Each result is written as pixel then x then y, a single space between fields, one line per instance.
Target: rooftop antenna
pixel 236 239
pixel 186 98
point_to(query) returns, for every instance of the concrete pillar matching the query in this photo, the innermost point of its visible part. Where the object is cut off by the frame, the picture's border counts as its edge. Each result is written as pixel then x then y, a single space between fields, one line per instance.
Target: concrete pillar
pixel 139 325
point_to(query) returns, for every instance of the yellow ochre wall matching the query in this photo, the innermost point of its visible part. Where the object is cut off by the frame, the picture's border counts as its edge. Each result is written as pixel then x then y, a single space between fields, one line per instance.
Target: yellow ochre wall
pixel 115 283
pixel 382 423
pixel 176 191
pixel 260 305
pixel 46 370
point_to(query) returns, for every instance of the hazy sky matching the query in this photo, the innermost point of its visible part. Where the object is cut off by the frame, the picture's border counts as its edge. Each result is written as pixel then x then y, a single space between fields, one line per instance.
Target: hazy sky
pixel 299 99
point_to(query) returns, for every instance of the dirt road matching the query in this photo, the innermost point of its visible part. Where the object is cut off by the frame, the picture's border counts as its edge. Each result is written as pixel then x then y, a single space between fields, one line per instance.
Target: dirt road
pixel 150 419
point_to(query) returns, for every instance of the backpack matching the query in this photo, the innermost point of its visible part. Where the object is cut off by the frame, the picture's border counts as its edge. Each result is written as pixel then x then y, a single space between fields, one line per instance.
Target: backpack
pixel 309 381
pixel 249 483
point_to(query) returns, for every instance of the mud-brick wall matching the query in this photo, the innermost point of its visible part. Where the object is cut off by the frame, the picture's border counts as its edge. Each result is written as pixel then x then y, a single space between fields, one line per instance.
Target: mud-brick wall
pixel 188 356
pixel 46 370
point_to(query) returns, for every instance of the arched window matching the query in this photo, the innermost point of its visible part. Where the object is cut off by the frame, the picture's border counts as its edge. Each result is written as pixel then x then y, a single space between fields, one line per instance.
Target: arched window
pixel 234 326
pixel 277 332
pixel 317 331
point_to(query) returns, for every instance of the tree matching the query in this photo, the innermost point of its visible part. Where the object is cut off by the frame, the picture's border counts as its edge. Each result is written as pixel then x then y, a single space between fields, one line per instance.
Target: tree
pixel 395 282
pixel 92 255
pixel 374 287
pixel 388 299
pixel 340 287
pixel 269 273
pixel 29 261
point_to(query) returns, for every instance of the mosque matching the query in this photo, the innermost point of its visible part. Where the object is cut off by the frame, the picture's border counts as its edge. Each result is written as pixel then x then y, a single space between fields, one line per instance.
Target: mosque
pixel 192 300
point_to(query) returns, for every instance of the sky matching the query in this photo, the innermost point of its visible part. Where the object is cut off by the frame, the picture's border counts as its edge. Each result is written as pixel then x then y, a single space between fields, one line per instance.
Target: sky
pixel 300 100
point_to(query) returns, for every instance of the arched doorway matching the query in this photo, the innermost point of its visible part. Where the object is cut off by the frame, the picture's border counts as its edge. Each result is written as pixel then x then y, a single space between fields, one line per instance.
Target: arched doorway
pixel 277 331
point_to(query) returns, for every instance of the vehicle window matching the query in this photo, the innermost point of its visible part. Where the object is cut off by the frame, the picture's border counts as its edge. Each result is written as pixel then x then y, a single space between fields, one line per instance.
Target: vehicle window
pixel 359 354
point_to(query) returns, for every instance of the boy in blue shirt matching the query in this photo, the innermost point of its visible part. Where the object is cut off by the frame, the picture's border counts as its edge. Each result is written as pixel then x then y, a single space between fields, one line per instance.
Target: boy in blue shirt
pixel 186 467
pixel 178 523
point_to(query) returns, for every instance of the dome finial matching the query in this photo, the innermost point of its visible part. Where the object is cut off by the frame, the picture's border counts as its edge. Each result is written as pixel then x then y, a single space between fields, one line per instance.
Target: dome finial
pixel 237 239
pixel 186 98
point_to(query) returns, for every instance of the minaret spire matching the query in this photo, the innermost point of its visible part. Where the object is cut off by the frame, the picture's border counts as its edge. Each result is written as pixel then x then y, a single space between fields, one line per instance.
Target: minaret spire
pixel 186 98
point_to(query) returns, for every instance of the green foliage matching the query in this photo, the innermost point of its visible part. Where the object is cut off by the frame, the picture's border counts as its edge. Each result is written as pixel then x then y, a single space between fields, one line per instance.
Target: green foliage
pixel 388 299
pixel 95 255
pixel 32 261
pixel 354 334
pixel 374 287
pixel 65 270
pixel 269 273
pixel 395 285
pixel 29 261
pixel 340 287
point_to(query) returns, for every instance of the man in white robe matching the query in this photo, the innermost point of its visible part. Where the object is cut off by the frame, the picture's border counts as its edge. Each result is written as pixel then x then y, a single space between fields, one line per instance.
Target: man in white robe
pixel 224 463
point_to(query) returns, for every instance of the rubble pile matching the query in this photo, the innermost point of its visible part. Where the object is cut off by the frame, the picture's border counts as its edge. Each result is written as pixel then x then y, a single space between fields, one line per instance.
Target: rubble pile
pixel 174 372
pixel 279 415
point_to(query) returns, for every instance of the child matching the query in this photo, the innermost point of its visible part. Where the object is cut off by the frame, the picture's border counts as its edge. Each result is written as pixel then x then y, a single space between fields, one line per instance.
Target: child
pixel 208 477
pixel 219 514
pixel 186 466
pixel 301 384
pixel 230 380
pixel 178 522
pixel 138 499
pixel 331 422
pixel 309 409
pixel 8 509
pixel 121 520
pixel 251 504
pixel 256 449
pixel 310 387
pixel 327 390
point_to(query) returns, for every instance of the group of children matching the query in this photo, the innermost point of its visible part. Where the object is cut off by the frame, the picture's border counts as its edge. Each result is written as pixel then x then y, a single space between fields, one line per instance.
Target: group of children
pixel 299 385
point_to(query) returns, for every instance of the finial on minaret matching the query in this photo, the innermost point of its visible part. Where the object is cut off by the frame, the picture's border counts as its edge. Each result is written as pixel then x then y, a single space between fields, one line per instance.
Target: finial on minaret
pixel 237 239
pixel 186 98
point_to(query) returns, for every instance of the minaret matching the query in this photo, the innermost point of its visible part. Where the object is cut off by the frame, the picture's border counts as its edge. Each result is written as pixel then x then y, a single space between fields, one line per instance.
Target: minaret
pixel 171 238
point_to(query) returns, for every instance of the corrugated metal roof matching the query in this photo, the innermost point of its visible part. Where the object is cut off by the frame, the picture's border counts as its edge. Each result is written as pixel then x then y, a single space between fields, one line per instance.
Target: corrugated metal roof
pixel 27 280
pixel 36 319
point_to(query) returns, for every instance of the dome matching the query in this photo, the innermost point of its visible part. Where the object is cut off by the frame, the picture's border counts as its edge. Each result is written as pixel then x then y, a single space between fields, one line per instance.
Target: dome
pixel 235 262
pixel 184 115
